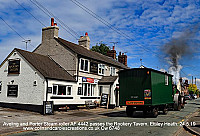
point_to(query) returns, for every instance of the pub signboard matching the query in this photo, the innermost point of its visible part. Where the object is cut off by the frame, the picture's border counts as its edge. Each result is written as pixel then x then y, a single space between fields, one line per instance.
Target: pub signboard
pixel 93 67
pixel 12 90
pixel 104 100
pixel 13 66
pixel 48 107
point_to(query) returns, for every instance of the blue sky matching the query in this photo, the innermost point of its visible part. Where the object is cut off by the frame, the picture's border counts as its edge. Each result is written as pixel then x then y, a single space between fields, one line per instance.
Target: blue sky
pixel 149 25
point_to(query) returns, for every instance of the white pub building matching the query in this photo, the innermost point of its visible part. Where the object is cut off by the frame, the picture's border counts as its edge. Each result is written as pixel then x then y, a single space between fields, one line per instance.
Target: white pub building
pixel 59 71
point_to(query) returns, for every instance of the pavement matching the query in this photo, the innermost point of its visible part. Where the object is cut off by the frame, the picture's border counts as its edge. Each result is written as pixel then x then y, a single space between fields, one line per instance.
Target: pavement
pixel 193 123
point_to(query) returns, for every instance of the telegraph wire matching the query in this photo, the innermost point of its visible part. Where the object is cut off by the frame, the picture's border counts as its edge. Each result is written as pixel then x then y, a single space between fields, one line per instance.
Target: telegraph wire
pixel 14 30
pixel 30 13
pixel 50 14
pixel 184 73
pixel 109 25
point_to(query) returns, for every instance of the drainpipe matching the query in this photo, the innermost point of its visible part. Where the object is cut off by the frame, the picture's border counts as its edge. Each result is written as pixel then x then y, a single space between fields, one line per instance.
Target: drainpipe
pixel 110 94
pixel 78 68
pixel 47 90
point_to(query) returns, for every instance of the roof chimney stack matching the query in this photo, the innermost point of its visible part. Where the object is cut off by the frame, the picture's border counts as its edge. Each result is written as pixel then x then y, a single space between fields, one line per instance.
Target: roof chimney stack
pixel 122 58
pixel 85 41
pixel 50 32
pixel 52 21
pixel 112 53
pixel 113 47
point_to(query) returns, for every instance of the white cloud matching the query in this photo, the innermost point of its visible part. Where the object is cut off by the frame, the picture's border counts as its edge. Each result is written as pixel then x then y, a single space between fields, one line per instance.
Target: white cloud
pixel 148 23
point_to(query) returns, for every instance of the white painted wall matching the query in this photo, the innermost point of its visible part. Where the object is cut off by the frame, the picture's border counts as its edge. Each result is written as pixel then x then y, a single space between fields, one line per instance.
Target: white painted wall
pixel 110 89
pixel 63 101
pixel 113 97
pixel 76 98
pixel 27 93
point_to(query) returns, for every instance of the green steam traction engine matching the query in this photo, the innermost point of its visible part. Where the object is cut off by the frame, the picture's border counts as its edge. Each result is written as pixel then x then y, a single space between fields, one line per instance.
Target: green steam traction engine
pixel 148 90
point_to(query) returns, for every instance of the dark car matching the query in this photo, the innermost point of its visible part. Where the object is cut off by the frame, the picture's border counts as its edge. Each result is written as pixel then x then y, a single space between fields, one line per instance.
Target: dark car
pixel 188 97
pixel 194 96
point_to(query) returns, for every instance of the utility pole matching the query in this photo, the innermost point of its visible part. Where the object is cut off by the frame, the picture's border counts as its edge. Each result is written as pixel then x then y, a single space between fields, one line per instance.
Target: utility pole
pixel 114 43
pixel 27 41
pixel 141 61
pixel 192 80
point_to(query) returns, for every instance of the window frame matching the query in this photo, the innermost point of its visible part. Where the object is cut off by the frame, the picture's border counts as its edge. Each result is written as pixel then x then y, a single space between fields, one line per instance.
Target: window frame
pixel 57 87
pixel 1 86
pixel 84 68
pixel 89 91
pixel 166 80
pixel 112 71
pixel 101 69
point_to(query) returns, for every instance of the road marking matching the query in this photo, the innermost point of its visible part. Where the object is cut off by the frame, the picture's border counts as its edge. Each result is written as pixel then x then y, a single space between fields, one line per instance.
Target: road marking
pixel 16 132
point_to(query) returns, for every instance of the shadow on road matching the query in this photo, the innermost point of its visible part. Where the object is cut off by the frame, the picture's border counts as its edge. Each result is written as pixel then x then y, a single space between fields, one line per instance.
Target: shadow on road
pixel 81 114
pixel 138 114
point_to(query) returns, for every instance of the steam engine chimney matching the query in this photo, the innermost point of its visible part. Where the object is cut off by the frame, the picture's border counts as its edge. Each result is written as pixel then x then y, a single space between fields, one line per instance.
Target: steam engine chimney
pixel 122 58
pixel 112 53
pixel 85 41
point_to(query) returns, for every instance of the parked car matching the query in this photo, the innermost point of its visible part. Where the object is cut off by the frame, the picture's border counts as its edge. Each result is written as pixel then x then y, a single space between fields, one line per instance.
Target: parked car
pixel 194 96
pixel 188 97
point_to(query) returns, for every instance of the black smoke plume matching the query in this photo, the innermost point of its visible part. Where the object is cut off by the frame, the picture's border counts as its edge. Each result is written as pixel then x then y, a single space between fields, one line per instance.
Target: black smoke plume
pixel 178 48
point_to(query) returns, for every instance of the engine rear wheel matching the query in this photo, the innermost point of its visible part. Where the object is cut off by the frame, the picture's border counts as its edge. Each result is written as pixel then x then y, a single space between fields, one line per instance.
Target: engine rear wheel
pixel 155 112
pixel 165 110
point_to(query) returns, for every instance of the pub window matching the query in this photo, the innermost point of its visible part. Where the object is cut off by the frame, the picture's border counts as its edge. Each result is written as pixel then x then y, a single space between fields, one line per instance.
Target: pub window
pixel 112 71
pixel 13 66
pixel 88 89
pixel 80 91
pixel 69 90
pixel 62 90
pixel 84 65
pixel 55 89
pixel 0 86
pixel 166 80
pixel 101 69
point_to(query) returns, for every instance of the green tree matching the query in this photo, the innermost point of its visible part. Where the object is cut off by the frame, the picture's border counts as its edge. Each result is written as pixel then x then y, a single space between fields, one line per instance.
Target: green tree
pixel 101 48
pixel 192 88
pixel 197 92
